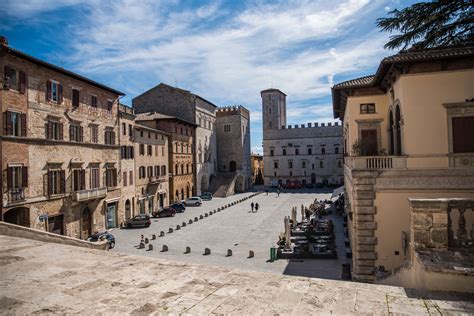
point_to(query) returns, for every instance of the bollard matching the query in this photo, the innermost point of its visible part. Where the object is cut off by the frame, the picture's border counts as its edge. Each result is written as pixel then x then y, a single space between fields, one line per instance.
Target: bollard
pixel 162 233
pixel 206 215
pixel 210 213
pixel 195 219
pixel 188 250
pixel 165 248
pixel 207 251
pixel 170 230
pixel 201 217
pixel 146 240
pixel 218 209
pixel 183 224
pixel 178 227
pixel 251 254
pixel 150 247
pixel 214 211
pixel 141 246
pixel 190 221
pixel 229 252
pixel 153 237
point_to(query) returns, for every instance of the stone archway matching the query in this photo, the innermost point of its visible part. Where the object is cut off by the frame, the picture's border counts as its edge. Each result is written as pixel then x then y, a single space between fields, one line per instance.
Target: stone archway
pixel 239 186
pixel 232 166
pixel 18 216
pixel 204 183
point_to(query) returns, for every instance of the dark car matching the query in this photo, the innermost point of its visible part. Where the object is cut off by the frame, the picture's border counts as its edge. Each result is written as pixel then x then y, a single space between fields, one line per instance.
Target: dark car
pixel 206 196
pixel 178 207
pixel 166 212
pixel 293 185
pixel 141 220
pixel 103 236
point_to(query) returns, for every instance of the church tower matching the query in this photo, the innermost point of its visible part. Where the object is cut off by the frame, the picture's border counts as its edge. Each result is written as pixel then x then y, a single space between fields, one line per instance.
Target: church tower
pixel 273 109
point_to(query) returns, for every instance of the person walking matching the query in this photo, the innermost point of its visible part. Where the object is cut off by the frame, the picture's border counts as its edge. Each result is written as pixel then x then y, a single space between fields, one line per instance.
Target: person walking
pixel 256 207
pixel 278 192
pixel 266 191
pixel 252 205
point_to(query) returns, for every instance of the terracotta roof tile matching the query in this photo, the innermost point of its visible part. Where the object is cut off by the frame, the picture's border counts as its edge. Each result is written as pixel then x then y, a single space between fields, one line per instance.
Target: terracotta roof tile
pixel 354 83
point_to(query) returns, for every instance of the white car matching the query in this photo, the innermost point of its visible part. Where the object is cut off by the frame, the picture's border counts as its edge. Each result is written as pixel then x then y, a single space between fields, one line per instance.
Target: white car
pixel 193 200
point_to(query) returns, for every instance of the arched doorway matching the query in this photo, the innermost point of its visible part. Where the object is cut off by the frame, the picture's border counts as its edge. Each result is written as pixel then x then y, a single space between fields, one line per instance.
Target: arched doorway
pixel 239 185
pixel 128 211
pixel 232 166
pixel 18 216
pixel 86 223
pixel 204 183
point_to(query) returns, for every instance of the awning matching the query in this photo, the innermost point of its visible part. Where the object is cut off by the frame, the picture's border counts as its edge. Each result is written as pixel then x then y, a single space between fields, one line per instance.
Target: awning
pixel 337 191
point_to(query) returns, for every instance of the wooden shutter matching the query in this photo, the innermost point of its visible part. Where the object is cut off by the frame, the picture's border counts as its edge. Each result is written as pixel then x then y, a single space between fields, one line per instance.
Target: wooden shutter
pixel 463 134
pixel 83 179
pixel 23 124
pixel 60 131
pixel 9 123
pixel 131 152
pixel 112 136
pixel 71 132
pixel 9 177
pixel 48 90
pixel 49 130
pixel 124 179
pixel 75 98
pixel 24 175
pixel 114 177
pixel 50 183
pixel 130 178
pixel 6 77
pixel 62 181
pixel 23 83
pixel 81 134
pixel 60 93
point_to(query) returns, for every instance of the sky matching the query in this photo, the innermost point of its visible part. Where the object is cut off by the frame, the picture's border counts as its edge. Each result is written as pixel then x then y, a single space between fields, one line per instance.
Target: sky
pixel 224 51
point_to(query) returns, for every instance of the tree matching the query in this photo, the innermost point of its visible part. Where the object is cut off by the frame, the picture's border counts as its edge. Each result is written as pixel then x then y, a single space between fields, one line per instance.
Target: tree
pixel 430 24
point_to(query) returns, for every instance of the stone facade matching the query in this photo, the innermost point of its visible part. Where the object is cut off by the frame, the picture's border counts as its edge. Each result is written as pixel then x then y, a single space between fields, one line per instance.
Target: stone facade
pixel 233 144
pixel 59 148
pixel 193 108
pixel 257 169
pixel 312 154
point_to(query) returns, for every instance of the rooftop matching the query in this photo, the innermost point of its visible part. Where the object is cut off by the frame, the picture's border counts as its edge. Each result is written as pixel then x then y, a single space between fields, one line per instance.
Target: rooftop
pixel 40 277
pixel 150 116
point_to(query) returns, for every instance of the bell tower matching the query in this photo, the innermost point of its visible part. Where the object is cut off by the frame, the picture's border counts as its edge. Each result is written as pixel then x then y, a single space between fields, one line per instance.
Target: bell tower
pixel 273 109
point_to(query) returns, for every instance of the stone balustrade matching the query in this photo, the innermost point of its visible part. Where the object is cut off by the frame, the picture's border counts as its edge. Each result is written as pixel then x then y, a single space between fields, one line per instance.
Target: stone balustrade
pixel 90 194
pixel 376 162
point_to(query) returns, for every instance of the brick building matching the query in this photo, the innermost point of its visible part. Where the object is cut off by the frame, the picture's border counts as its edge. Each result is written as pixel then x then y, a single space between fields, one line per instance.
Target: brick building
pixel 59 148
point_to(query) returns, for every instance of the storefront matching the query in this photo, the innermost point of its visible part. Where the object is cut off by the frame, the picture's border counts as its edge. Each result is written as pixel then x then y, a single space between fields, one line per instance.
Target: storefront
pixel 111 220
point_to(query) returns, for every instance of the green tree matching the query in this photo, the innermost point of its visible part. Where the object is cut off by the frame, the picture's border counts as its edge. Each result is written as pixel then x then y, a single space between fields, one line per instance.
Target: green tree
pixel 430 24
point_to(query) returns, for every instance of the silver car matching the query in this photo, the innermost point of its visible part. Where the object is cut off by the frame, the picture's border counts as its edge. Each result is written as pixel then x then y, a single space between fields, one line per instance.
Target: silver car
pixel 193 201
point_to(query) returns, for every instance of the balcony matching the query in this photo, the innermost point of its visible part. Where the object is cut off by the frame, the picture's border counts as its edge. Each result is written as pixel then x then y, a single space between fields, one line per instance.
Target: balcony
pixel 159 179
pixel 16 195
pixel 376 162
pixel 85 195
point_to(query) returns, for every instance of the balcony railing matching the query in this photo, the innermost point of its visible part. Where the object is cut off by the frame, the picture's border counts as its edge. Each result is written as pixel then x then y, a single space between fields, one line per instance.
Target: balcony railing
pixel 17 195
pixel 376 162
pixel 90 194
pixel 158 179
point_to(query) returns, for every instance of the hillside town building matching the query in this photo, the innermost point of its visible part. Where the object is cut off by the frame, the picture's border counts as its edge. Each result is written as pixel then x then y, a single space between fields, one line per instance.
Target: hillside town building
pixel 311 154
pixel 409 170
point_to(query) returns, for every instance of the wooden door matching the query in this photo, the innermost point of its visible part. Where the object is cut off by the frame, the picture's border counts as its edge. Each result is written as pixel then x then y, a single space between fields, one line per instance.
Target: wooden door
pixel 369 142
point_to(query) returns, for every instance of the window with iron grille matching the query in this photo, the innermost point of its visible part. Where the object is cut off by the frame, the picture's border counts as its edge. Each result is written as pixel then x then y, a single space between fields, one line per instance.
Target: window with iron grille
pixel 367 108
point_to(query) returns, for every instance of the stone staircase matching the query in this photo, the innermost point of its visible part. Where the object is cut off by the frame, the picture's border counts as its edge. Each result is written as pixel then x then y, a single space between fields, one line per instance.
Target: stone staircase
pixel 222 185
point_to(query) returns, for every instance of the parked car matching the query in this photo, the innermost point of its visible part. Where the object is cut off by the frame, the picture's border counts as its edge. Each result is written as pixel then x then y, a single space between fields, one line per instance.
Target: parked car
pixel 193 200
pixel 165 212
pixel 206 196
pixel 103 236
pixel 293 184
pixel 178 207
pixel 141 220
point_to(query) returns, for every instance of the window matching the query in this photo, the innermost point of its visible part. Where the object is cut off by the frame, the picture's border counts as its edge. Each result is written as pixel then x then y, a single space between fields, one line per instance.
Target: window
pixel 323 151
pixel 284 152
pixel 367 108
pixel 271 152
pixel 149 172
pixel 109 137
pixel 310 151
pixel 17 177
pixel 175 169
pixel 14 123
pixel 275 165
pixel 339 164
pixel 78 179
pixel 130 130
pixel 54 91
pixel 94 134
pixel 187 169
pixel 141 150
pixel 227 128
pixel 111 177
pixel 312 166
pixel 162 151
pixel 141 173
pixel 321 164
pixel 110 104
pixel 75 98
pixel 290 164
pixel 336 150
pixel 94 101
pixel 297 151
pixel 54 130
pixel 130 177
pixel 14 79
pixel 291 173
pixel 95 178
pixel 56 182
pixel 157 171
pixel 303 164
pixel 149 150
pixel 200 158
pixel 462 128
pixel 141 133
pixel 163 170
pixel 182 169
pixel 124 129
pixel 181 131
pixel 124 178
pixel 76 133
pixel 149 135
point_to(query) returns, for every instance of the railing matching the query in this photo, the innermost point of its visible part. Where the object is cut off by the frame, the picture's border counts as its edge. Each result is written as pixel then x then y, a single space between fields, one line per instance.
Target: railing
pixel 17 195
pixel 376 162
pixel 90 194
pixel 158 179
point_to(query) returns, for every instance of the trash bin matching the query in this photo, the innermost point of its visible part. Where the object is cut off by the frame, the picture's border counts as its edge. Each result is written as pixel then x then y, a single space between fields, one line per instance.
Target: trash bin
pixel 346 271
pixel 273 256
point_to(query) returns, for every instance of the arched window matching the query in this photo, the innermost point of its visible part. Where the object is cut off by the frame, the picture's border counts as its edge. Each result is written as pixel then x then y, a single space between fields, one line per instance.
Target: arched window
pixel 323 151
pixel 336 150
pixel 175 169
pixel 398 132
pixel 310 151
pixel 297 151
pixel 182 169
pixel 390 133
pixel 187 168
pixel 284 152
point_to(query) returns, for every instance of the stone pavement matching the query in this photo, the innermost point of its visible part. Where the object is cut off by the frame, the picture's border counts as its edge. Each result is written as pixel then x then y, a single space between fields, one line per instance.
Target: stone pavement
pixel 44 278
pixel 237 229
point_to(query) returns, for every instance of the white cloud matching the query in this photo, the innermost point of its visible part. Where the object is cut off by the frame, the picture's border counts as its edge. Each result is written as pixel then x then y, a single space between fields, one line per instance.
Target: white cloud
pixel 257 150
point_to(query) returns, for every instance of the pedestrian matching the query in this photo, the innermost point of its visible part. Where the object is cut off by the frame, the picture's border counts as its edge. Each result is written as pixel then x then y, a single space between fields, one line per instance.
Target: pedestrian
pixel 278 192
pixel 266 191
pixel 252 205
pixel 256 207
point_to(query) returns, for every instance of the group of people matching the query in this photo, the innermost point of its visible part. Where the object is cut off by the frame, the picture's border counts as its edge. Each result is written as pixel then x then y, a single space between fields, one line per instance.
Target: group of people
pixel 254 206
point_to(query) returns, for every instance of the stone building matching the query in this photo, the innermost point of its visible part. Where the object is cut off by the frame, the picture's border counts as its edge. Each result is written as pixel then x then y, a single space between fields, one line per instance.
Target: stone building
pixel 180 151
pixel 409 131
pixel 60 156
pixel 311 154
pixel 256 162
pixel 189 107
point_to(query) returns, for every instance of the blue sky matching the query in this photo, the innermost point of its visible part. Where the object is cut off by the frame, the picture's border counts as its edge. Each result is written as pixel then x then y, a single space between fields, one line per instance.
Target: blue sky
pixel 225 51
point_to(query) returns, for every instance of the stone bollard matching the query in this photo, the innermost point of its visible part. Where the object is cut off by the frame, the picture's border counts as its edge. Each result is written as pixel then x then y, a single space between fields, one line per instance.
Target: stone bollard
pixel 210 213
pixel 214 211
pixel 153 237
pixel 183 224
pixel 150 247
pixel 178 227
pixel 190 221
pixel 170 230
pixel 188 250
pixel 218 209
pixel 162 233
pixel 146 240
pixel 206 215
pixel 164 249
pixel 207 251
pixel 142 245
pixel 229 252
pixel 251 254
pixel 201 217
pixel 195 219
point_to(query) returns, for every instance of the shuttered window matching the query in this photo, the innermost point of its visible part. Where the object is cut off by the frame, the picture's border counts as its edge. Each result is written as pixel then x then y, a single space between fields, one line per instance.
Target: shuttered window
pixel 14 79
pixel 17 177
pixel 56 182
pixel 463 134
pixel 54 91
pixel 109 137
pixel 94 134
pixel 14 123
pixel 111 177
pixel 131 177
pixel 95 178
pixel 54 130
pixel 124 179
pixel 93 101
pixel 75 98
pixel 78 179
pixel 76 133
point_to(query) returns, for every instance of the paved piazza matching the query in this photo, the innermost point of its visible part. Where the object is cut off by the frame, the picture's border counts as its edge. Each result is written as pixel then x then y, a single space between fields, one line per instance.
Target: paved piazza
pixel 238 229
